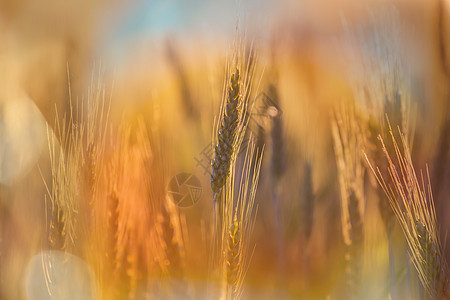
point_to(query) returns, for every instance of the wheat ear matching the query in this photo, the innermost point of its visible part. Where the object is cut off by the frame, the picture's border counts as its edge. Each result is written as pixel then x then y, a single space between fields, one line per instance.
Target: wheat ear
pixel 227 138
pixel 413 205
pixel 232 259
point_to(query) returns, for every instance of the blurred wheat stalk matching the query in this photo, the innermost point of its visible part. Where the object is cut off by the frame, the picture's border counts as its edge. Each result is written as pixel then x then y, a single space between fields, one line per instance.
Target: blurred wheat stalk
pixel 106 200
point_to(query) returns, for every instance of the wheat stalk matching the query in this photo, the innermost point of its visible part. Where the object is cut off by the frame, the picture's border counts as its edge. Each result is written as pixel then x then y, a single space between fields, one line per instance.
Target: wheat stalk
pixel 113 228
pixel 228 135
pixel 175 62
pixel 172 241
pixel 277 168
pixel 348 142
pixel 307 202
pixel 238 221
pixel 413 204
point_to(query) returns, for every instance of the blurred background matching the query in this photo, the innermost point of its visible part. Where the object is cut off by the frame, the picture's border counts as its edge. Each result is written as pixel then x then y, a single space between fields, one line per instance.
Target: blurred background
pixel 165 62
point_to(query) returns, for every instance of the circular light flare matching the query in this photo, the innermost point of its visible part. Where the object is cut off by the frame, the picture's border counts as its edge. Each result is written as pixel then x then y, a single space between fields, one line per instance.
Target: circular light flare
pixel 272 111
pixel 57 275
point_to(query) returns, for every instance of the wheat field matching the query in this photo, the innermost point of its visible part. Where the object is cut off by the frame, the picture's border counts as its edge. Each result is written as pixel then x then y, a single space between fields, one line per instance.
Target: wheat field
pixel 224 149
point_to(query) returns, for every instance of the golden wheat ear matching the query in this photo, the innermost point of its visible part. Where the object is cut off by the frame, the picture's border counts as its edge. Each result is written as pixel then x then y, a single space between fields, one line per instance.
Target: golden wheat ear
pixel 232 257
pixel 231 126
pixel 228 134
pixel 413 204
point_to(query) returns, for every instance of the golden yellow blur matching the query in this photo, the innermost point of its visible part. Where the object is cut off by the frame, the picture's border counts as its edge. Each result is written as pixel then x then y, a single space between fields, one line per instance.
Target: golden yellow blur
pixel 110 114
